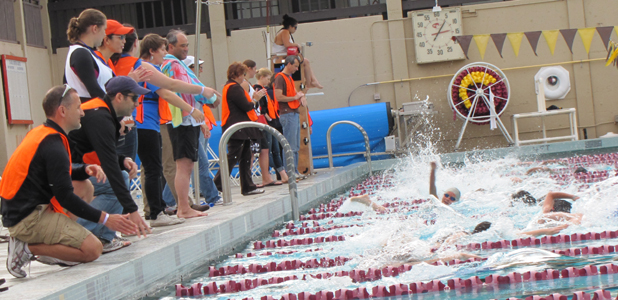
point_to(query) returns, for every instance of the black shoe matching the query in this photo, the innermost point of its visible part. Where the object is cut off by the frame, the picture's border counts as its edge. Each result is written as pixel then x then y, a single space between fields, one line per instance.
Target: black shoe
pixel 254 192
pixel 200 207
pixel 147 217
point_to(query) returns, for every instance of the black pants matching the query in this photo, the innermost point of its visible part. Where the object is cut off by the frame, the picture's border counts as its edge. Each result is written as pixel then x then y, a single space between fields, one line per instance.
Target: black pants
pixel 149 152
pixel 239 151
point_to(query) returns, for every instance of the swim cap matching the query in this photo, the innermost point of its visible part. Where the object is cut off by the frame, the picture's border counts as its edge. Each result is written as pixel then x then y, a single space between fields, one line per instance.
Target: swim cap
pixel 454 191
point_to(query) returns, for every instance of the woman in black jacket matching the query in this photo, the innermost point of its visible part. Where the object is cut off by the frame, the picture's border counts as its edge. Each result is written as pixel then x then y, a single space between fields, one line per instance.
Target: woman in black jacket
pixel 237 107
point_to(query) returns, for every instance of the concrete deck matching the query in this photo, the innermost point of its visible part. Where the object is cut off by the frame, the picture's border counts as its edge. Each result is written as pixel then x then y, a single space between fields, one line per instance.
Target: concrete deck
pixel 170 253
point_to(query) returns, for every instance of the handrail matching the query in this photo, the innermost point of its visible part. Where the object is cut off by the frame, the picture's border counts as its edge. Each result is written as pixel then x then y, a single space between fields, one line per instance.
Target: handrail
pixel 289 158
pixel 329 147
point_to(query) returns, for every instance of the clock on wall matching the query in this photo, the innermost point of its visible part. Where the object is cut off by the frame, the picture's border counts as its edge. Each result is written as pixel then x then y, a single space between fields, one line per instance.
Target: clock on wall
pixel 433 35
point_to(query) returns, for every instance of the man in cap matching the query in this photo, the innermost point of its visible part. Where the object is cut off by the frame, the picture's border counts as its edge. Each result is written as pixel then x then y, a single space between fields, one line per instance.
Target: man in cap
pixel 36 190
pixel 95 143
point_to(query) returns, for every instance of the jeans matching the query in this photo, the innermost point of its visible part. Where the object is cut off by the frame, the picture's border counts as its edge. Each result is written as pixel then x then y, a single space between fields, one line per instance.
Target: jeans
pixel 291 131
pixel 104 200
pixel 207 186
pixel 149 151
pixel 274 153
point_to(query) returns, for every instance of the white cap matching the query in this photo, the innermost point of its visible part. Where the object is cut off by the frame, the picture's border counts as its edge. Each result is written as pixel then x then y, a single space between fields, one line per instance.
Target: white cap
pixel 191 60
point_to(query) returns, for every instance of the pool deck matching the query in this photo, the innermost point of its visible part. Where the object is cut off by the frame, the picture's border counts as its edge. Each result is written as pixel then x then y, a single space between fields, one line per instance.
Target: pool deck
pixel 170 253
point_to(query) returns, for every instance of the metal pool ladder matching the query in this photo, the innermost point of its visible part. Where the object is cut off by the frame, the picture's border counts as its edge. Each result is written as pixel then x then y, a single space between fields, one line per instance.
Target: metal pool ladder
pixel 289 163
pixel 330 147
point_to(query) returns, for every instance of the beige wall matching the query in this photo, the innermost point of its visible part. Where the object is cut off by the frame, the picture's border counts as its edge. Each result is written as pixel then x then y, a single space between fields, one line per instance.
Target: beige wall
pixel 350 52
pixel 39 81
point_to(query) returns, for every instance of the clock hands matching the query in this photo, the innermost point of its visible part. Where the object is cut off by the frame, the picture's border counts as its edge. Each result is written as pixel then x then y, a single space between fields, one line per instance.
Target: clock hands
pixel 439 30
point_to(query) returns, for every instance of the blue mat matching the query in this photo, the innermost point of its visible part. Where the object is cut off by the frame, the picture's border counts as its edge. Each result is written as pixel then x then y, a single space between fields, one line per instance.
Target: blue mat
pixel 374 118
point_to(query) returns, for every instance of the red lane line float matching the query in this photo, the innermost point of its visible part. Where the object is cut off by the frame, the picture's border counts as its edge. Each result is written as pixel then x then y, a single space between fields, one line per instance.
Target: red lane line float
pixel 296 242
pixel 282 266
pixel 597 295
pixel 546 240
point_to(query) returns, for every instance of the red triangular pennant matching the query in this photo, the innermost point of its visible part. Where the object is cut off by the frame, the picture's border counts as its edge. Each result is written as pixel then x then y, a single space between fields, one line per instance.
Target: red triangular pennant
pixel 533 39
pixel 464 43
pixel 569 37
pixel 498 39
pixel 605 32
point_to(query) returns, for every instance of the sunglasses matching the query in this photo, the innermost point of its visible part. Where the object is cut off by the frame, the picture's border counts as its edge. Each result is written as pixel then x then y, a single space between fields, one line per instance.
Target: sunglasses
pixel 67 88
pixel 450 197
pixel 120 36
pixel 133 97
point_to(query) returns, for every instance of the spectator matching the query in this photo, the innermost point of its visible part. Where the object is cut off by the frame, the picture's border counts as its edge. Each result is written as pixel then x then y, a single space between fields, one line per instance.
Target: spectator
pixel 36 188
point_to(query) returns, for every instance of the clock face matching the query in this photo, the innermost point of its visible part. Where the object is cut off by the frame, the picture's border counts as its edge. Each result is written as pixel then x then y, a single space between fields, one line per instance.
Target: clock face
pixel 433 35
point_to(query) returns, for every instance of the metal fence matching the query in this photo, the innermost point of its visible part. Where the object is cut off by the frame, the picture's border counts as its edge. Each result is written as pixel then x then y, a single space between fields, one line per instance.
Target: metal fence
pixel 147 16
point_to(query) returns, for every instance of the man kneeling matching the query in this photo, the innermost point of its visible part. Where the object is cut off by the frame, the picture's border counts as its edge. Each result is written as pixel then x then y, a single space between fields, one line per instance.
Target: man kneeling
pixel 36 188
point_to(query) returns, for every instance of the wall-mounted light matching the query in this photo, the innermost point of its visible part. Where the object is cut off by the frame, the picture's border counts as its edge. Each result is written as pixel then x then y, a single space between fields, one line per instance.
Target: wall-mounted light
pixel 437 7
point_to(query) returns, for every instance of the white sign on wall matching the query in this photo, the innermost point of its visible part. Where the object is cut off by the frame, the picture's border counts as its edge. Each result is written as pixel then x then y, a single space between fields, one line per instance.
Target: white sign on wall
pixel 16 93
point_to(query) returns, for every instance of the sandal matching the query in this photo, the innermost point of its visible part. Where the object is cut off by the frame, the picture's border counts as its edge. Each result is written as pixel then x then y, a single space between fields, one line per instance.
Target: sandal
pixel 272 183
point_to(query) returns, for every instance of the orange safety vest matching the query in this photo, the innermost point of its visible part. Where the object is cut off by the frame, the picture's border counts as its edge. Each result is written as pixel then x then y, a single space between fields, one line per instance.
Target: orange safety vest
pixel 139 114
pixel 125 65
pixel 91 158
pixel 290 90
pixel 273 107
pixel 164 112
pixel 225 110
pixel 109 61
pixel 16 170
pixel 210 118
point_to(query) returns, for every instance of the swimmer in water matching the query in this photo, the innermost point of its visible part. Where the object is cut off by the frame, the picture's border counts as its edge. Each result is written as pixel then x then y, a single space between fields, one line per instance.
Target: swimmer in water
pixel 364 199
pixel 555 208
pixel 450 196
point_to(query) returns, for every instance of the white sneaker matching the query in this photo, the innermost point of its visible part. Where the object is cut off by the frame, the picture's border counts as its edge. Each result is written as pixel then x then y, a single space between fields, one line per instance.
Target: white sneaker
pixel 48 260
pixel 165 220
pixel 17 258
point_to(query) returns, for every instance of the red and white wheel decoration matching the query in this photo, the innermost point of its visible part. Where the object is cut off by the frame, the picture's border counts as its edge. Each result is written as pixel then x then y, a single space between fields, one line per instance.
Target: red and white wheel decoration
pixel 472 89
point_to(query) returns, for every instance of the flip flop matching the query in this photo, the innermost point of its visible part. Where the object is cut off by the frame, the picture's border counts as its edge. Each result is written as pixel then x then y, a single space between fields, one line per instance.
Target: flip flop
pixel 273 183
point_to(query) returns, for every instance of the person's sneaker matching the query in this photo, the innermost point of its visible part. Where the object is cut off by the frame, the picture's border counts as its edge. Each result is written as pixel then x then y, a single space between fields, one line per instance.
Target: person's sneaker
pixel 17 258
pixel 165 220
pixel 114 245
pixel 52 261
pixel 219 202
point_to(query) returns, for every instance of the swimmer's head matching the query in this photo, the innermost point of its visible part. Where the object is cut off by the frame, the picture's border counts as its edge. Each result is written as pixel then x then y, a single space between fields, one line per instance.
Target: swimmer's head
pixel 525 197
pixel 450 196
pixel 580 170
pixel 562 206
pixel 481 227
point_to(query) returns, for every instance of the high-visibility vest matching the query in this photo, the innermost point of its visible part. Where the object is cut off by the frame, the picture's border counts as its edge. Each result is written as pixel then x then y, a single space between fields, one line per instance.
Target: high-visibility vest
pixel 225 109
pixel 108 62
pixel 16 170
pixel 210 118
pixel 125 65
pixel 139 112
pixel 290 90
pixel 273 107
pixel 91 158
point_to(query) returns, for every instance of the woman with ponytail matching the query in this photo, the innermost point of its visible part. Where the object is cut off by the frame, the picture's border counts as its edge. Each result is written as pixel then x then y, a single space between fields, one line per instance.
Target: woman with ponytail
pixel 284 40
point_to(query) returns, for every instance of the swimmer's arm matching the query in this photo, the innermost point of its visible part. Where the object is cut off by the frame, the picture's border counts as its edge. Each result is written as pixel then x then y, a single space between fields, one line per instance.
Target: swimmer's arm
pixel 364 199
pixel 538 169
pixel 454 238
pixel 432 180
pixel 545 231
pixel 548 204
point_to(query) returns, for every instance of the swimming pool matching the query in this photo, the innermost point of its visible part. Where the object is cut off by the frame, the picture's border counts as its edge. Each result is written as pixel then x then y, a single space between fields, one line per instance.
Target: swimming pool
pixel 337 252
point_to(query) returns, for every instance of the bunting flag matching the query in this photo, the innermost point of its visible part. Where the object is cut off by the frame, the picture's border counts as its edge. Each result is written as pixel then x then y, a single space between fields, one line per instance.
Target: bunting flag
pixel 569 37
pixel 533 39
pixel 587 34
pixel 498 39
pixel 481 41
pixel 605 33
pixel 515 39
pixel 551 37
pixel 464 43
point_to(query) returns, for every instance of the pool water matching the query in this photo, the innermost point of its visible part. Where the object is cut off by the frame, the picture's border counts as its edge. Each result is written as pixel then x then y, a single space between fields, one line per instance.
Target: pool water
pixel 332 245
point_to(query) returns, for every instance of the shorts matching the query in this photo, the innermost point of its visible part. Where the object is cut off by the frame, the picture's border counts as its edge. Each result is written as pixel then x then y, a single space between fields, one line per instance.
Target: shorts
pixel 185 141
pixel 50 228
pixel 265 140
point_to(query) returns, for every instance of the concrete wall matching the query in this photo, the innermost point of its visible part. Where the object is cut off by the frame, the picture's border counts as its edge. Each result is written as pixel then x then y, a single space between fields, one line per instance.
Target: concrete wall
pixel 350 52
pixel 39 71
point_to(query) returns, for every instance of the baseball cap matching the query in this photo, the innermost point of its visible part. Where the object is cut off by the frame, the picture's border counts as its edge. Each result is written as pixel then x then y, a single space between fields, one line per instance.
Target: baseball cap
pixel 191 60
pixel 121 84
pixel 114 27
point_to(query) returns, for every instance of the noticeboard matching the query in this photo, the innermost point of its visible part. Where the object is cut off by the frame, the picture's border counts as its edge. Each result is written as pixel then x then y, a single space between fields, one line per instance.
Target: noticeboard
pixel 16 94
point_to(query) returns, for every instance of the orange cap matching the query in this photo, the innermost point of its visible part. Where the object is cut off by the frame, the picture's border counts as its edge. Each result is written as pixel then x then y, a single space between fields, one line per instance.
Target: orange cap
pixel 114 27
